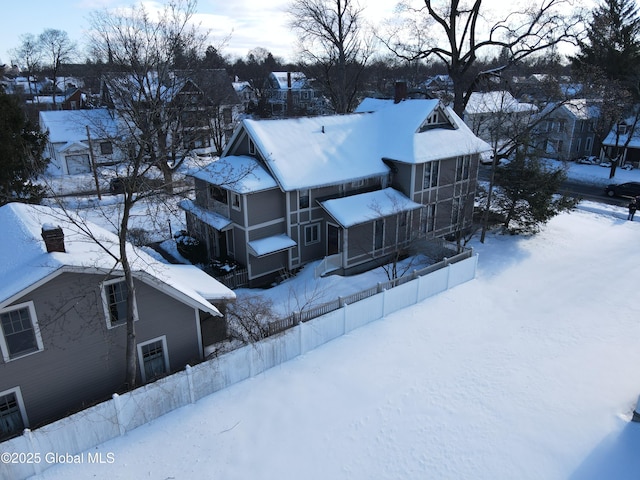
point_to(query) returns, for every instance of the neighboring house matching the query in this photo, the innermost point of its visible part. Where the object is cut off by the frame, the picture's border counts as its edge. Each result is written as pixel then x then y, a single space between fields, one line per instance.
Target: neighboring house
pixel 201 106
pixel 62 316
pixel 69 149
pixel 493 116
pixel 352 188
pixel 247 95
pixel 291 94
pixel 567 131
pixel 623 141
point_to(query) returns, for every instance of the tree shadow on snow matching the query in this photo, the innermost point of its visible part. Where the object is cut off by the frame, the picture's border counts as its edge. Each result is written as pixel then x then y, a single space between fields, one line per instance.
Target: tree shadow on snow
pixel 616 457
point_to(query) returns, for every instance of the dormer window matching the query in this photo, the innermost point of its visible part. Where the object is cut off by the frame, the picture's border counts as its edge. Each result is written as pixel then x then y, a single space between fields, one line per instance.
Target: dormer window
pixel 622 128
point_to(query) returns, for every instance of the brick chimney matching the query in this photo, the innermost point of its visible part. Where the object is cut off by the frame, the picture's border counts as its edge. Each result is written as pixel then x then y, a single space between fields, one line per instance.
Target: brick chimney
pixel 400 91
pixel 53 237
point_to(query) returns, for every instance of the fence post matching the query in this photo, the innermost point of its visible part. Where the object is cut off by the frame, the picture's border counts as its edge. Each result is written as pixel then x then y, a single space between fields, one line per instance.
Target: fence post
pixel 118 407
pixel 192 393
pixel 32 444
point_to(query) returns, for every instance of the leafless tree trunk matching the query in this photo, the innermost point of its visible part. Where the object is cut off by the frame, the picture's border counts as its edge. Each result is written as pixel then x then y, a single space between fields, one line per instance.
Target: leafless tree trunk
pixel 331 34
pixel 57 48
pixel 460 34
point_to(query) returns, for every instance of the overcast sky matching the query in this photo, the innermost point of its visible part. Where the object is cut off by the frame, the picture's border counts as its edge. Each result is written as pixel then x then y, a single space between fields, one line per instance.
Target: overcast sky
pixel 251 23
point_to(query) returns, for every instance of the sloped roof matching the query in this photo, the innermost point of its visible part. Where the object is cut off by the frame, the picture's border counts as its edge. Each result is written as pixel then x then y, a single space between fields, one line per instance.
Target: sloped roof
pixel 623 138
pixel 494 102
pixel 298 80
pixel 240 174
pixel 579 108
pixel 365 207
pixel 24 259
pixel 71 125
pixel 329 150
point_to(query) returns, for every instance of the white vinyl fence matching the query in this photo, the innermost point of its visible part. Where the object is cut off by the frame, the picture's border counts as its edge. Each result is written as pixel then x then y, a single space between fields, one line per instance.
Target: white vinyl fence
pixel 58 442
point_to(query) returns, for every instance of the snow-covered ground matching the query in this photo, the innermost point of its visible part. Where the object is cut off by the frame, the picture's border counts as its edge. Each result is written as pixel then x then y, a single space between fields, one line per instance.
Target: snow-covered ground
pixel 530 371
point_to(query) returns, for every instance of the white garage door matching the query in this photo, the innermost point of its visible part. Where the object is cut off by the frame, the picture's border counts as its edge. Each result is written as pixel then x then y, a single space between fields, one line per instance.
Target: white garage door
pixel 78 164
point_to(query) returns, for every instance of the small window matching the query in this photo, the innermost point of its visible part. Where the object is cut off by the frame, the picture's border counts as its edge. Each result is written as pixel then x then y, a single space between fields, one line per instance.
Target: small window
pixel 12 414
pixel 20 332
pixel 462 168
pixel 153 358
pixel 430 178
pixel 312 234
pixel 106 148
pixel 114 297
pixel 378 234
pixel 303 198
pixel 252 147
pixel 226 115
pixel 235 201
pixel 218 194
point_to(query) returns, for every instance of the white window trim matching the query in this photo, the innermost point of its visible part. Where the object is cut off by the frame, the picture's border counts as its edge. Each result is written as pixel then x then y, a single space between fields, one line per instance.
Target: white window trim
pixel 310 226
pixel 18 393
pixel 165 353
pixel 234 197
pixel 105 303
pixel 36 331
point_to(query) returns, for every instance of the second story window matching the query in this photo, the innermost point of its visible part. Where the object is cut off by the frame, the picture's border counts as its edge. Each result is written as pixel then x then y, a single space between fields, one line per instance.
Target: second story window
pixel 430 177
pixel 106 148
pixel 218 194
pixel 303 199
pixel 20 332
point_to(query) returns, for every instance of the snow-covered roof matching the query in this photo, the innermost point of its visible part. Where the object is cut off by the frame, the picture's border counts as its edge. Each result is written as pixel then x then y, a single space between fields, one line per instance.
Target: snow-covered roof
pixel 269 245
pixel 621 139
pixel 494 102
pixel 71 125
pixel 298 80
pixel 213 219
pixel 24 258
pixel 240 174
pixel 365 207
pixel 330 150
pixel 580 108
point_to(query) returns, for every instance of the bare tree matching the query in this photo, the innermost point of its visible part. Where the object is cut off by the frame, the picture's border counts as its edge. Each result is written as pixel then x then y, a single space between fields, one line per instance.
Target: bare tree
pixel 142 49
pixel 332 37
pixel 57 48
pixel 459 34
pixel 28 56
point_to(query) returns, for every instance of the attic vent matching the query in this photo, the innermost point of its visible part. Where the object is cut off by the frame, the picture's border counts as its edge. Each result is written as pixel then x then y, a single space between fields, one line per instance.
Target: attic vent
pixel 53 237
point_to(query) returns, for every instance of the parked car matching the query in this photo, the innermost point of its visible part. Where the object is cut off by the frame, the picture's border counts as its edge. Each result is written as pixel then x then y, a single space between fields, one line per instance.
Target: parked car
pixel 590 160
pixel 629 189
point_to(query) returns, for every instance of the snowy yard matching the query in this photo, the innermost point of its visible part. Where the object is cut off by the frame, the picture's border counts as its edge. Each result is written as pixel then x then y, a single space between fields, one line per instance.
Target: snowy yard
pixel 530 371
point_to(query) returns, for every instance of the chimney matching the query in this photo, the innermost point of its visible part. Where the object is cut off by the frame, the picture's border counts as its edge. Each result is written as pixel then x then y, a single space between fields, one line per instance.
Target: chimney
pixel 289 96
pixel 53 238
pixel 400 91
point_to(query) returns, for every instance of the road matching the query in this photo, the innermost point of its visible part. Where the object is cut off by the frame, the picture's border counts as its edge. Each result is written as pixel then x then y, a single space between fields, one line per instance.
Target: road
pixel 594 193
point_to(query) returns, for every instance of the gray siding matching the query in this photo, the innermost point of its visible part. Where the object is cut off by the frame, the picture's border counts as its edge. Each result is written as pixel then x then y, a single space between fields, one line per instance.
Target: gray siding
pixel 266 206
pixel 83 361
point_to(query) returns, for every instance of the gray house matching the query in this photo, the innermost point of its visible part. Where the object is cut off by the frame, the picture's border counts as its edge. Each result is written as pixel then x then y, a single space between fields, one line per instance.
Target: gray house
pixel 349 189
pixel 567 131
pixel 62 317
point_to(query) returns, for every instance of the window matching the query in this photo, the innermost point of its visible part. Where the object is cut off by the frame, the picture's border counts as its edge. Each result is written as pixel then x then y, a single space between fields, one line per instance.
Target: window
pixel 312 234
pixel 12 414
pixel 106 148
pixel 20 332
pixel 153 358
pixel 378 234
pixel 303 198
pixel 226 115
pixel 218 194
pixel 114 298
pixel 235 201
pixel 462 168
pixel 431 218
pixel 622 128
pixel 587 145
pixel 252 147
pixel 430 178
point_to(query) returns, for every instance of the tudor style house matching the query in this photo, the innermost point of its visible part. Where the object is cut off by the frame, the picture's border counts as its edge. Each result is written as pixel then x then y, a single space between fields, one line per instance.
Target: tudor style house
pixel 62 316
pixel 352 189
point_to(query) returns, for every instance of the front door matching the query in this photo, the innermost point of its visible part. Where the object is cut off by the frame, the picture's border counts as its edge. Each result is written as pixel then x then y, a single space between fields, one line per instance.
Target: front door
pixel 333 239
